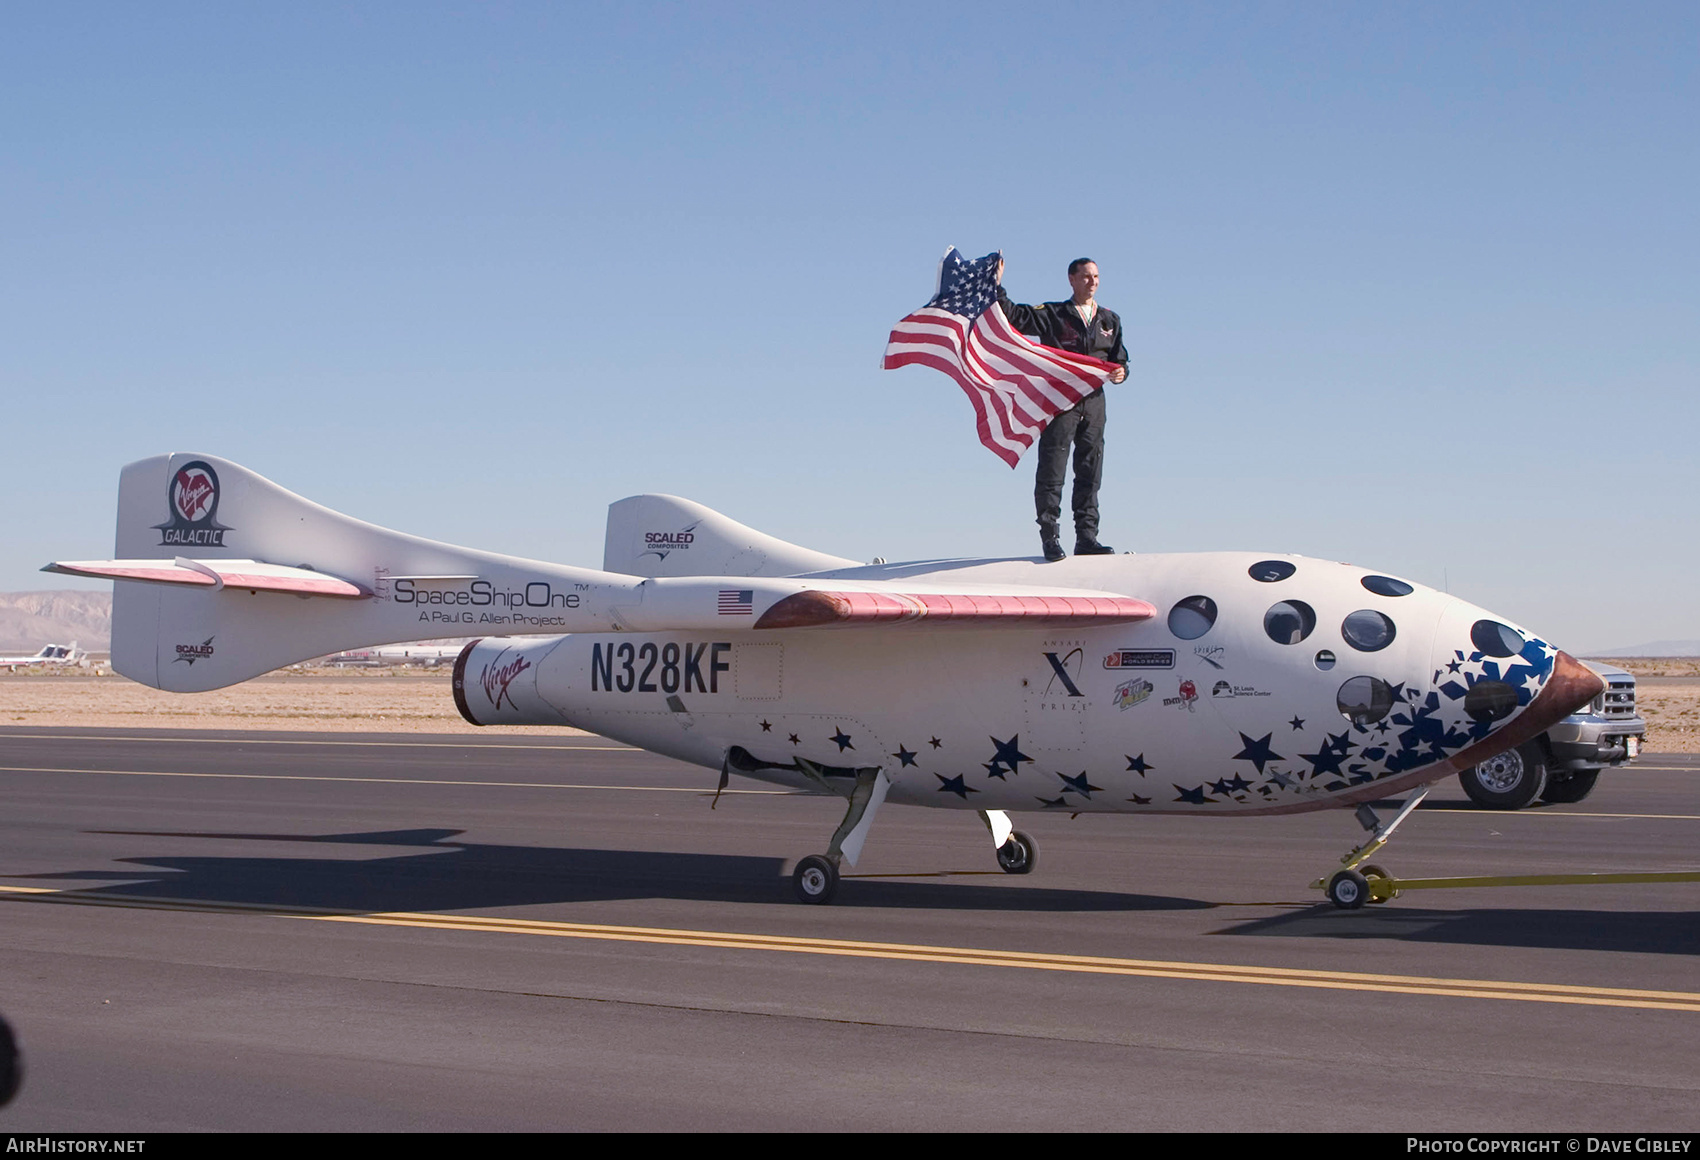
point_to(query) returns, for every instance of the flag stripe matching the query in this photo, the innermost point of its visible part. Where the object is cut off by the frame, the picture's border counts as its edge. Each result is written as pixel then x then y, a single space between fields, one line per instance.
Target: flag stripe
pixel 1015 385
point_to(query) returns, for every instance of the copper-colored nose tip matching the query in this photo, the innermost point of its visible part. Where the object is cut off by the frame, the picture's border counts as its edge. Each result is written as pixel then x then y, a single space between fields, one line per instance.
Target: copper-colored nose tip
pixel 1572 685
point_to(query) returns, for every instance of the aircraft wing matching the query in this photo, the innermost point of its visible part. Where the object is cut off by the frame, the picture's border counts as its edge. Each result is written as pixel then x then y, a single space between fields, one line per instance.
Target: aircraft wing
pixel 215 574
pixel 789 603
pixel 821 608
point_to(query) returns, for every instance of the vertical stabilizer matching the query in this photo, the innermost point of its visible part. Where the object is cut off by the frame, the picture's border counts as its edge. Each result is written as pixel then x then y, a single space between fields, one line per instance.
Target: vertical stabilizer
pixel 663 535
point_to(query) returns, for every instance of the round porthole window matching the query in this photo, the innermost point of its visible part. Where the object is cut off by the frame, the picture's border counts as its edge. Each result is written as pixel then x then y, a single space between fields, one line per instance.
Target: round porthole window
pixel 1367 630
pixel 1365 700
pixel 1269 571
pixel 1490 701
pixel 1289 622
pixel 1496 639
pixel 1325 659
pixel 1387 586
pixel 1193 617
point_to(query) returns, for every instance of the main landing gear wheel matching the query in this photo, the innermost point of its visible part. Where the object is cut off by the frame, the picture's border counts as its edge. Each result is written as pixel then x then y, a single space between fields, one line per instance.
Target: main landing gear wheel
pixel 1571 788
pixel 1508 781
pixel 815 879
pixel 1348 889
pixel 1019 854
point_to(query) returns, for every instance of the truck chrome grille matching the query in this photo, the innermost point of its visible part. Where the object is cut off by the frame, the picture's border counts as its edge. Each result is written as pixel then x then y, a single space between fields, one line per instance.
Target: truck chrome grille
pixel 1618 700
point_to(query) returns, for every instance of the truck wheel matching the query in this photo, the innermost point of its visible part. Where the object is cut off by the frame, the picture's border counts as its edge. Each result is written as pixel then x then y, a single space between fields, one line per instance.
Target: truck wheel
pixel 1572 787
pixel 1509 781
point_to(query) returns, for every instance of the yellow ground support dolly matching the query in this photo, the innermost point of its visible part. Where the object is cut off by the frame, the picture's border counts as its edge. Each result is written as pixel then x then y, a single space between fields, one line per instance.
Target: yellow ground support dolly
pixel 1362 882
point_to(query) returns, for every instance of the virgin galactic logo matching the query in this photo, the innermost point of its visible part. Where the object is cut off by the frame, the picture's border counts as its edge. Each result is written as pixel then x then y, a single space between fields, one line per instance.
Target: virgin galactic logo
pixel 191 498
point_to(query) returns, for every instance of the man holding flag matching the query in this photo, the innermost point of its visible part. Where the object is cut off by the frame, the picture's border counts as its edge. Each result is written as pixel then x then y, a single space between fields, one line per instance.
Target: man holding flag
pixel 1082 326
pixel 1020 388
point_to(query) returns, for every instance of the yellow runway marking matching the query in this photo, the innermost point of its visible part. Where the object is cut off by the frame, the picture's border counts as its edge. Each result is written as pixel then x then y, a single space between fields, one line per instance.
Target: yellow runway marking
pixel 1506 815
pixel 361 744
pixel 394 780
pixel 909 952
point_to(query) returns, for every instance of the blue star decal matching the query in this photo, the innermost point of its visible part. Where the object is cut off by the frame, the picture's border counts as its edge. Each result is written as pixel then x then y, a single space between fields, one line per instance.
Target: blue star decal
pixel 954 785
pixel 1325 760
pixel 1137 765
pixel 1195 795
pixel 1139 801
pixel 767 726
pixel 1080 785
pixel 1297 723
pixel 1009 753
pixel 903 755
pixel 1052 803
pixel 843 740
pixel 1226 787
pixel 1258 752
pixel 794 739
pixel 935 743
pixel 993 769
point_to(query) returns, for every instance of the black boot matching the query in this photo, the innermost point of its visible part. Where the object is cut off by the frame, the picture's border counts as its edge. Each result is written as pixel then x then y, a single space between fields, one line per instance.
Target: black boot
pixel 1089 546
pixel 1051 543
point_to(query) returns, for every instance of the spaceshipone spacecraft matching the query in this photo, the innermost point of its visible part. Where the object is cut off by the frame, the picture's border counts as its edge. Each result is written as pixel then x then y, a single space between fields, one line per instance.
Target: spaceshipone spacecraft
pixel 1209 684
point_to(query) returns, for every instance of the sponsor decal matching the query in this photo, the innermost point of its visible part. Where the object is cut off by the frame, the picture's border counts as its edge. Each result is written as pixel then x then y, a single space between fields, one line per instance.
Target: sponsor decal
pixel 190 653
pixel 1225 689
pixel 191 499
pixel 1188 696
pixel 670 667
pixel 1060 673
pixel 1141 658
pixel 497 677
pixel 1134 692
pixel 1211 655
pixel 663 544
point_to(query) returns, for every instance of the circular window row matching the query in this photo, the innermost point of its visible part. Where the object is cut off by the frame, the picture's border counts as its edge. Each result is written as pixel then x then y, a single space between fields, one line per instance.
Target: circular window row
pixel 1289 622
pixel 1272 571
pixel 1365 700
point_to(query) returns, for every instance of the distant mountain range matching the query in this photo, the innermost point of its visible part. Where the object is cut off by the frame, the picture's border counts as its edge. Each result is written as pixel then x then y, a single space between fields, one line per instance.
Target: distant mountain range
pixel 1658 648
pixel 29 620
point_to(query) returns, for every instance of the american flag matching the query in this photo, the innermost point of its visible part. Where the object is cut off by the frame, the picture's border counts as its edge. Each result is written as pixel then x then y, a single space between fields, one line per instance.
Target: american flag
pixel 737 602
pixel 1015 384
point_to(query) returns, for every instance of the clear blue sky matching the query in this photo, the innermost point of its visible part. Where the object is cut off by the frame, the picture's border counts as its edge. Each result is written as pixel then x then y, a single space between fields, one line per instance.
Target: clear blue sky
pixel 1414 286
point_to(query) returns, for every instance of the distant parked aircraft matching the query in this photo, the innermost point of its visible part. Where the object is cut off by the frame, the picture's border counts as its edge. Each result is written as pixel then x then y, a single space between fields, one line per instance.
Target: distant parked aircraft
pixel 51 654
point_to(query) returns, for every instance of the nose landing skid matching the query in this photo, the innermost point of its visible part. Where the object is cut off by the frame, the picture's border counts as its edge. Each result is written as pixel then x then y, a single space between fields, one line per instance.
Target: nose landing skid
pixel 1361 881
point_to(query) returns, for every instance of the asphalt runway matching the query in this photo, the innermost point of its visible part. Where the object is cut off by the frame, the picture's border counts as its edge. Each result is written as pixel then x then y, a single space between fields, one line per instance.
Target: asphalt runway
pixel 288 931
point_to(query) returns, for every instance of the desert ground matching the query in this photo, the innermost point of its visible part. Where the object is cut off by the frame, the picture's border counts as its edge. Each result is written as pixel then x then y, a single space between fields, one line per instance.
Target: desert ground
pixel 326 700
pixel 401 700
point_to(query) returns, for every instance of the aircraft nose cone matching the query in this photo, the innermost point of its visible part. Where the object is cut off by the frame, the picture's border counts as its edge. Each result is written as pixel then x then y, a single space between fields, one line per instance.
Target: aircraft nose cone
pixel 1571 685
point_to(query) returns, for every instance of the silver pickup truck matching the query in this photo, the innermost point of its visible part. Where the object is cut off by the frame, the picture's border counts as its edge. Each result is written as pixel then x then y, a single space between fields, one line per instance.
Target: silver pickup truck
pixel 1562 764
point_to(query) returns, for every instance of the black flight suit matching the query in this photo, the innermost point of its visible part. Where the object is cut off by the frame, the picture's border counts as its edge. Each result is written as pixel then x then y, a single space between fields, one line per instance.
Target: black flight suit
pixel 1059 325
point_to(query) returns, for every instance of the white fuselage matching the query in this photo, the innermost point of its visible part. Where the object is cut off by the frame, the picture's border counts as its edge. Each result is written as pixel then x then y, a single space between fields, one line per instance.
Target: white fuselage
pixel 1277 703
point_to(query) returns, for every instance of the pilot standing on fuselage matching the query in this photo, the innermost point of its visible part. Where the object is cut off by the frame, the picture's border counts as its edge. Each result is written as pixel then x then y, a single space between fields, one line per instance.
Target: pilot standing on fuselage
pixel 1082 326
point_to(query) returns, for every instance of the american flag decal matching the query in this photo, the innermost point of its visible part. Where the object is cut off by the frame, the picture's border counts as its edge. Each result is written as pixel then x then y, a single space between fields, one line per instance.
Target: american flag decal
pixel 737 602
